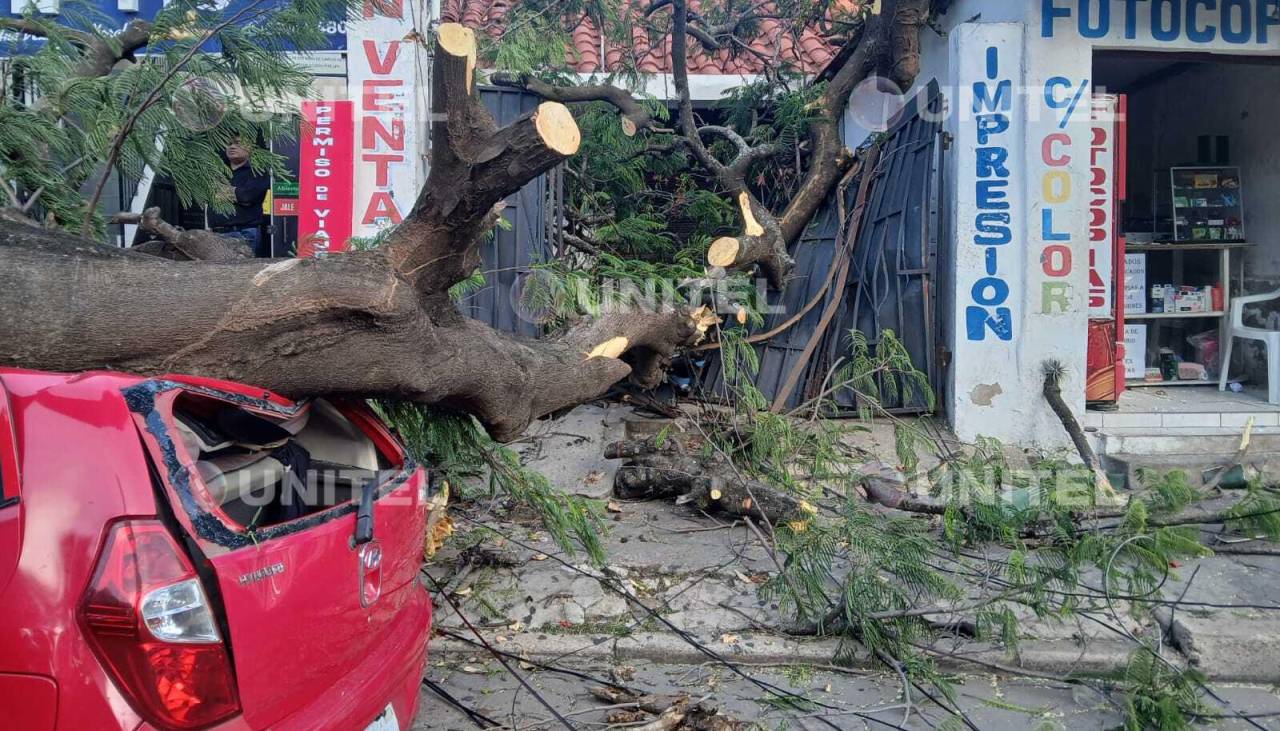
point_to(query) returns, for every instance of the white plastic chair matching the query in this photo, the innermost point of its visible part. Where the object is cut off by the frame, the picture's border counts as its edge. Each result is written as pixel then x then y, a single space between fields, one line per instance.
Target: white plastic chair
pixel 1271 338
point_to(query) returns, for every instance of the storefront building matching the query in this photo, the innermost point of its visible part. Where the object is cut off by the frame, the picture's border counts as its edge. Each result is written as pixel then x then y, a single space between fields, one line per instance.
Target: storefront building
pixel 1066 120
pixel 1068 126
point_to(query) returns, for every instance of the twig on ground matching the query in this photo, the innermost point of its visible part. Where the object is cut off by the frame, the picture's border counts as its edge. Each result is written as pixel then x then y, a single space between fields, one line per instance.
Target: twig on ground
pixel 499 657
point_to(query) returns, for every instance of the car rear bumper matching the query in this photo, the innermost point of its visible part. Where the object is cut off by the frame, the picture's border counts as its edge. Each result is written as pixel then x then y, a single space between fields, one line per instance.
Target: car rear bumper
pixel 390 675
pixel 393 674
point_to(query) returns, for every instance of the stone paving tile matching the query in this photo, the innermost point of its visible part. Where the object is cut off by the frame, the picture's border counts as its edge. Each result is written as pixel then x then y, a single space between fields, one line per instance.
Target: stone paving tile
pixel 993 704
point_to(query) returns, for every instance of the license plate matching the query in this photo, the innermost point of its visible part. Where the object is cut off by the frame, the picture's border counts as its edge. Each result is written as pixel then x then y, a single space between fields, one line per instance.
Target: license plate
pixel 386 721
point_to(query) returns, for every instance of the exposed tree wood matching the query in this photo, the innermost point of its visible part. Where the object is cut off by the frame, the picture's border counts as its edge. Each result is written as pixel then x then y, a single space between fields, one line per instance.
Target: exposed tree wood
pixel 459 41
pixel 723 251
pixel 363 324
pixel 749 222
pixel 556 127
pixel 611 348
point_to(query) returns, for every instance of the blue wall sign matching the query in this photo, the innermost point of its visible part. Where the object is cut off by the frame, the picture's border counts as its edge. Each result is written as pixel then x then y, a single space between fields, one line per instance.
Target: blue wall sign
pixel 1230 22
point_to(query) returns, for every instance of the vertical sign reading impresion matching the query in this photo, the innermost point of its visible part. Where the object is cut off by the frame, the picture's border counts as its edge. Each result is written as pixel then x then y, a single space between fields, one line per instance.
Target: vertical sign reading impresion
pixel 990 210
pixel 380 78
pixel 989 250
pixel 324 181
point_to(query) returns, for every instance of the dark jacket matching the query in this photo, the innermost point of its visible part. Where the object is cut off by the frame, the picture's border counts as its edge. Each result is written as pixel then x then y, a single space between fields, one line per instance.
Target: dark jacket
pixel 251 189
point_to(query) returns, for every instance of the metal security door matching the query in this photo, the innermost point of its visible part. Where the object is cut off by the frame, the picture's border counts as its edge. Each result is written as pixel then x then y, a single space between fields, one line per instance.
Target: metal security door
pixel 892 279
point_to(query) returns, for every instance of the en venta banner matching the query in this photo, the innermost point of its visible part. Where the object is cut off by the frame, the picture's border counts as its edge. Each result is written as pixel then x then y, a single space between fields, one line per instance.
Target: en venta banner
pixel 327 150
pixel 383 79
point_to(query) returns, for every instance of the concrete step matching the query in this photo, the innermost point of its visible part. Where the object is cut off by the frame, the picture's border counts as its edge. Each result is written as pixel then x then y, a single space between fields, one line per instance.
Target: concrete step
pixel 1221 442
pixel 1193 450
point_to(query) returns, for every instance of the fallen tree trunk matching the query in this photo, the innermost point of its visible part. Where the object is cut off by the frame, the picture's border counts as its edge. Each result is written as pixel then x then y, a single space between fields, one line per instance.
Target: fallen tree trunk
pixel 364 324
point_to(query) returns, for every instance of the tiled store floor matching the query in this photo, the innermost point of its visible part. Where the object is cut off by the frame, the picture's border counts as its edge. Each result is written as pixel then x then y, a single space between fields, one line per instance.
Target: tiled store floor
pixel 1187 407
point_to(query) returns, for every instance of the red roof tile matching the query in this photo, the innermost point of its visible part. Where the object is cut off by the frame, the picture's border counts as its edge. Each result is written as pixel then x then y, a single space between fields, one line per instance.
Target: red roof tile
pixel 773 45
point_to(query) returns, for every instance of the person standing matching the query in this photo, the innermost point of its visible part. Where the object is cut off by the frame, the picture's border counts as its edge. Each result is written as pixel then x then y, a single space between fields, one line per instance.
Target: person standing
pixel 245 220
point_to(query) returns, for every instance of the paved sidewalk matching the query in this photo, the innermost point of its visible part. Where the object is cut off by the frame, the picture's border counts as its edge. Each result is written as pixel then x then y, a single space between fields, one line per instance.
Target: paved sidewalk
pixel 992 703
pixel 702 577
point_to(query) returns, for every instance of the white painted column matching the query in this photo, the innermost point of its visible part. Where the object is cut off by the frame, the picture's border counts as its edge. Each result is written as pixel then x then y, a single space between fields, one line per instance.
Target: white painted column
pixel 1058 98
pixel 989 210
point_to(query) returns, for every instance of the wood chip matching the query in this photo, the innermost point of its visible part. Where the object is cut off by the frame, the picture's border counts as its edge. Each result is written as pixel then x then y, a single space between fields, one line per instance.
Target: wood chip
pixel 555 125
pixel 723 251
pixel 611 348
pixel 752 225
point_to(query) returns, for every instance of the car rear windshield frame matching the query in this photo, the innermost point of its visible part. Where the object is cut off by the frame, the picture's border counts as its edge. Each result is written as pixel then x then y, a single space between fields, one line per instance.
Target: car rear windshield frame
pixel 141 400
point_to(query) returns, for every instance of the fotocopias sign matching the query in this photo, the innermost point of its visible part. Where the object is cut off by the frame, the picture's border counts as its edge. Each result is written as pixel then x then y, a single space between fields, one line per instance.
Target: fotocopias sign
pixel 325 178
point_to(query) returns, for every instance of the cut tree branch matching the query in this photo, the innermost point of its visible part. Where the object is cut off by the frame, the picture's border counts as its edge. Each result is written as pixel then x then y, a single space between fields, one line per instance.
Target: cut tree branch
pixel 101 53
pixel 889 40
pixel 634 115
pixel 676 467
pixel 761 241
pixel 474 166
pixel 182 245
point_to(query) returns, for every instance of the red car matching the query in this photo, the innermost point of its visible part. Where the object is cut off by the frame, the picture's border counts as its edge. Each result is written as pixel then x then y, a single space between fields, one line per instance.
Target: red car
pixel 182 553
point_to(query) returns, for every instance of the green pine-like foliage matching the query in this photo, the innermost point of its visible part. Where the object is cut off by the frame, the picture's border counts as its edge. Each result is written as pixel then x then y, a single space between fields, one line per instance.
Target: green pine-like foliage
pixel 207 76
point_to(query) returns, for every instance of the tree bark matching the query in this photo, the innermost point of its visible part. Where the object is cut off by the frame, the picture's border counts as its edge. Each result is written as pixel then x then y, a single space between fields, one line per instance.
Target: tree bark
pixel 363 324
pixel 182 245
pixel 635 116
pixel 679 468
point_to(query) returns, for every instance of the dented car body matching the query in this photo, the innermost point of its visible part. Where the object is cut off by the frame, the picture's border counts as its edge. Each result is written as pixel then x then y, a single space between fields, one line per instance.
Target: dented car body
pixel 183 553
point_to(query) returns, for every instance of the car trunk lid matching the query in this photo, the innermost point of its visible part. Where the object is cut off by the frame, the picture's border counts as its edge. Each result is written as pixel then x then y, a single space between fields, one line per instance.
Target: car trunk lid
pixel 303 598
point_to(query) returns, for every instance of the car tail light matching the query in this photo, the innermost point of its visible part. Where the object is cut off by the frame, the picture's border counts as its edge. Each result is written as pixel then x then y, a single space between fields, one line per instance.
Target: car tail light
pixel 151 625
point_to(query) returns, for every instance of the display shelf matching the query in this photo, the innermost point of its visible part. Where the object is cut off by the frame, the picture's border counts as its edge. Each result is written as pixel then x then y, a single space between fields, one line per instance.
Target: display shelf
pixel 1159 324
pixel 1206 201
pixel 1186 246
pixel 1171 315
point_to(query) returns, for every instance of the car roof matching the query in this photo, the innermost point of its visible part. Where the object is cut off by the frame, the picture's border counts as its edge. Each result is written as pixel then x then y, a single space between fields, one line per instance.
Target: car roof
pixel 111 382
